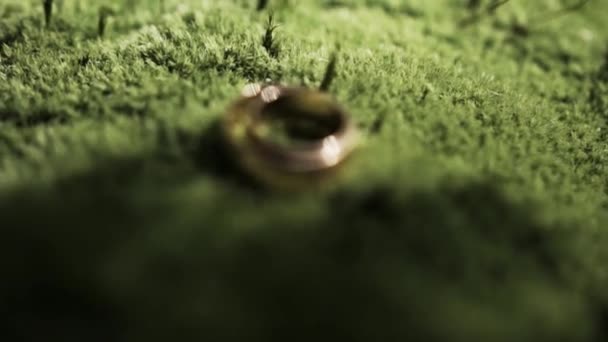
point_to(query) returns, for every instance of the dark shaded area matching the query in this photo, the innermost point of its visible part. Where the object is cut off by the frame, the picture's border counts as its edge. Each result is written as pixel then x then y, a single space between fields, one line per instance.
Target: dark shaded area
pixel 262 4
pixel 40 117
pixel 479 12
pixel 377 124
pixel 601 315
pixel 105 261
pixel 212 156
pixel 11 34
pixel 57 309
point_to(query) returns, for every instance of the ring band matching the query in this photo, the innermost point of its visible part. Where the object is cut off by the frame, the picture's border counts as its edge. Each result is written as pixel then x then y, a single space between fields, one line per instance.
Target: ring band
pixel 306 159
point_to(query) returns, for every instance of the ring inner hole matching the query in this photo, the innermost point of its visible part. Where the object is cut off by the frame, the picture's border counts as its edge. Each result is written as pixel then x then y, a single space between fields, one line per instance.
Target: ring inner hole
pixel 289 120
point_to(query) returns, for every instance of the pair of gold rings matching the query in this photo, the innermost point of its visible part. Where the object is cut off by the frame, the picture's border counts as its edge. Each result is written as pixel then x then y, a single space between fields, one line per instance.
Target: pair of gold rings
pixel 288 136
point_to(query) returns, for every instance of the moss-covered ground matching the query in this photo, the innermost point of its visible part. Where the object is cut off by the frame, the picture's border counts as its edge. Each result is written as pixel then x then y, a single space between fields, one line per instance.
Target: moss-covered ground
pixel 476 210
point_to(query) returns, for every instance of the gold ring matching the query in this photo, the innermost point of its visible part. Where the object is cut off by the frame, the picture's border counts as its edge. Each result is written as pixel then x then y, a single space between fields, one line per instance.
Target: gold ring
pixel 311 136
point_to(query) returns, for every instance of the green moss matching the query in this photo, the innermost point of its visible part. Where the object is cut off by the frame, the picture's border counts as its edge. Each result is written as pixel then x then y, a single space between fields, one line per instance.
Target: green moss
pixel 476 210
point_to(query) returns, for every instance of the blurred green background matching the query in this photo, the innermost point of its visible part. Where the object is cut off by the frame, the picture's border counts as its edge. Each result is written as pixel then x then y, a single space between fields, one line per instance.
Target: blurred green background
pixel 477 208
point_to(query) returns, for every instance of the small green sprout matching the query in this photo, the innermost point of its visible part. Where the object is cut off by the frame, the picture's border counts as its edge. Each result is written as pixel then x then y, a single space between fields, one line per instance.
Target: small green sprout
pixel 48 11
pixel 269 41
pixel 104 13
pixel 330 73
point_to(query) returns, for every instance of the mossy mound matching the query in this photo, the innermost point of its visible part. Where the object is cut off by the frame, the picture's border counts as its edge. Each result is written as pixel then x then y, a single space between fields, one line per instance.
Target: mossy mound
pixel 477 208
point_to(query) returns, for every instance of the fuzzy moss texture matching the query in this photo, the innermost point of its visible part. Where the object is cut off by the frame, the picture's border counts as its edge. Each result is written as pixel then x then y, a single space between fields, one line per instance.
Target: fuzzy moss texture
pixel 477 209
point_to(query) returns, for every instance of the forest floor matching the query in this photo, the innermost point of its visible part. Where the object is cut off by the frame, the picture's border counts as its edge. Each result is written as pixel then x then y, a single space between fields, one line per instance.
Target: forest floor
pixel 475 210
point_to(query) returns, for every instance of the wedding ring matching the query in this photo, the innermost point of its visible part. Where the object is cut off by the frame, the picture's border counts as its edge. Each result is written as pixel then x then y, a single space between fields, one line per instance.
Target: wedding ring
pixel 288 135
